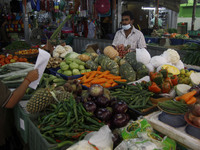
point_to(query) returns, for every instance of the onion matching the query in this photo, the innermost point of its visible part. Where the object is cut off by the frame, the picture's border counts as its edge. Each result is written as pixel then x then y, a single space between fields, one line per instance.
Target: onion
pixel 90 106
pixel 196 121
pixel 96 90
pixel 196 110
pixel 191 116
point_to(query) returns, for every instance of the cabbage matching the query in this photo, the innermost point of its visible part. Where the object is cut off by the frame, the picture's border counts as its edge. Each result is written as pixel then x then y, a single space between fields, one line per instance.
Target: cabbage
pixel 81 67
pixel 67 73
pixel 75 72
pixel 72 55
pixel 73 65
pixel 195 78
pixel 182 89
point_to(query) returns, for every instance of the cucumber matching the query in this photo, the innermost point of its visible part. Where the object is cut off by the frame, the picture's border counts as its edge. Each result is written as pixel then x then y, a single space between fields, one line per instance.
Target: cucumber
pixel 16 72
pixel 17 65
pixel 14 81
pixel 14 77
pixel 59 80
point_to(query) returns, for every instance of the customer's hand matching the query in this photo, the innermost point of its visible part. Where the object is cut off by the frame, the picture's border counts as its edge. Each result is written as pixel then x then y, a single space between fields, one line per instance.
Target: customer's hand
pixel 32 75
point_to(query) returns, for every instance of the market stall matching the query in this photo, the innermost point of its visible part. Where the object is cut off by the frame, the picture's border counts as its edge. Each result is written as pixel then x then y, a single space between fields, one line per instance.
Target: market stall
pixel 142 99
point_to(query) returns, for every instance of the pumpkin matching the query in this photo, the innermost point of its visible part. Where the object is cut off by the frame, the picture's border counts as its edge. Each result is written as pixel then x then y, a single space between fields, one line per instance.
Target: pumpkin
pixel 171 69
pixel 110 52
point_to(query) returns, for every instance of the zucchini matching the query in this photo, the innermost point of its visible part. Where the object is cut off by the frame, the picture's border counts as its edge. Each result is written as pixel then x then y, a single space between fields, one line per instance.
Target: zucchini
pixel 14 81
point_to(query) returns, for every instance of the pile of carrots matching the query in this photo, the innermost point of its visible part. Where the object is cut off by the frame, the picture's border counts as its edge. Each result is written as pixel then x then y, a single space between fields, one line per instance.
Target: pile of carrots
pixel 188 97
pixel 10 59
pixel 105 79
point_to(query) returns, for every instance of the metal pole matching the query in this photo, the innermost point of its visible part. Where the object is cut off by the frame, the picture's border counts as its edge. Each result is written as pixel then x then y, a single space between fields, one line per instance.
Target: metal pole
pixel 119 11
pixel 114 20
pixel 193 14
pixel 156 15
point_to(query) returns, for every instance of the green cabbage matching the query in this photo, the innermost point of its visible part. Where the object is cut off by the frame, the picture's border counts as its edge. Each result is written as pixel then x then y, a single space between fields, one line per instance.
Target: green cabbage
pixel 73 65
pixel 75 72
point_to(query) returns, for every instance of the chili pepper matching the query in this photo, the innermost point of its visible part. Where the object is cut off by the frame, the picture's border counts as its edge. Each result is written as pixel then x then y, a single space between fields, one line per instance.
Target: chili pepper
pixel 164 72
pixel 174 80
pixel 165 87
pixel 154 88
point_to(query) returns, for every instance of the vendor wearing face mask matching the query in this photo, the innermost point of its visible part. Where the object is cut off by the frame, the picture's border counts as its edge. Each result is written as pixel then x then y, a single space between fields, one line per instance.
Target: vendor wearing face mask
pixel 128 35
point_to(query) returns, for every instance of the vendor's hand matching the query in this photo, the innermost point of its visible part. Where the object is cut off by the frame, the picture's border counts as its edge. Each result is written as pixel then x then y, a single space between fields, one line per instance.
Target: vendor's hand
pixel 32 75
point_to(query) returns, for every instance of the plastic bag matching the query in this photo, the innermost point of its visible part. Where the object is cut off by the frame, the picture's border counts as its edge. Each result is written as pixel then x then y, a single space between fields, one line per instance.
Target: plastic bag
pixel 143 56
pixel 101 139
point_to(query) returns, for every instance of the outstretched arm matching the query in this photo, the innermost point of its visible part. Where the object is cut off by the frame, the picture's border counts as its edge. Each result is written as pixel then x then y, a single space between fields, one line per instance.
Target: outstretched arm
pixel 20 91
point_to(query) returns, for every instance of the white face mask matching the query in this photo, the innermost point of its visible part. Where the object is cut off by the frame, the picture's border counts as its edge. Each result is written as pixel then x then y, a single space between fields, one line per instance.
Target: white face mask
pixel 126 27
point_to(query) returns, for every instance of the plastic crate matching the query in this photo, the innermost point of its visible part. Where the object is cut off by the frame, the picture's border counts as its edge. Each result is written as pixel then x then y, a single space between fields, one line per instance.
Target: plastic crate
pixel 22 122
pixel 194 33
pixel 176 41
pixel 54 72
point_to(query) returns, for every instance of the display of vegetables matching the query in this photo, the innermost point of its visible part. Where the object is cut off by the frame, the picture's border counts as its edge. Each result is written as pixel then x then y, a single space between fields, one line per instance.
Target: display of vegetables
pixel 173 107
pixel 109 110
pixel 72 66
pixel 136 96
pixel 110 52
pixel 105 79
pixel 66 122
pixel 16 45
pixel 62 51
pixel 188 97
pixel 54 62
pixel 184 77
pixel 11 59
pixel 194 115
pixel 27 51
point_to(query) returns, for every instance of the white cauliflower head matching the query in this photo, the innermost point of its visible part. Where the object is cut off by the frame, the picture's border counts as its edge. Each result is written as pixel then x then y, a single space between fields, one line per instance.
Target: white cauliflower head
pixel 157 61
pixel 60 49
pixel 171 56
pixel 68 48
pixel 55 54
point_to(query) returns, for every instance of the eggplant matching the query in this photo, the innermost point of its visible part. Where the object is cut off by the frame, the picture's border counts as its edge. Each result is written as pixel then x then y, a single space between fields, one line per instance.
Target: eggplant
pixel 90 106
pixel 113 101
pixel 96 90
pixel 102 101
pixel 120 120
pixel 103 114
pixel 120 107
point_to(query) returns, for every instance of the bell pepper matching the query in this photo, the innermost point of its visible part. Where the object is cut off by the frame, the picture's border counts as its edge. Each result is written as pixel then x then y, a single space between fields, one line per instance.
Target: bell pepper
pixel 10 56
pixel 165 87
pixel 158 78
pixel 174 80
pixel 154 88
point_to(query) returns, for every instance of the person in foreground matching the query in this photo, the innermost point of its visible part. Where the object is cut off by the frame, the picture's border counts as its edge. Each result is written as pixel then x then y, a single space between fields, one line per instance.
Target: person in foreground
pixel 128 35
pixel 8 100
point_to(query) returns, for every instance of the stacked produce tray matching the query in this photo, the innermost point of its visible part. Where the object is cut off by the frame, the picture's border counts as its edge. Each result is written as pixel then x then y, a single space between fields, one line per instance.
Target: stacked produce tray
pixel 22 122
pixel 178 134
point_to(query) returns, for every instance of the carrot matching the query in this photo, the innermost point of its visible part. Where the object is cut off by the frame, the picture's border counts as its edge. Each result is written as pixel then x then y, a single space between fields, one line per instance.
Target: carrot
pixel 88 80
pixel 107 85
pixel 192 100
pixel 110 81
pixel 114 77
pixel 97 81
pixel 92 75
pixel 83 79
pixel 104 73
pixel 85 84
pixel 187 96
pixel 121 80
pixel 98 68
pixel 114 84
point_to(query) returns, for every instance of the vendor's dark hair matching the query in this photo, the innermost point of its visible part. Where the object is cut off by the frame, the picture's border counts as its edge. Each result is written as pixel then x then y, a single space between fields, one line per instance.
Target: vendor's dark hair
pixel 128 13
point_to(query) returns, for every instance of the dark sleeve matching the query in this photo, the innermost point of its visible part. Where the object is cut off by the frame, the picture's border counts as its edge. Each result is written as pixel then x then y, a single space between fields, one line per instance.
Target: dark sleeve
pixel 4 94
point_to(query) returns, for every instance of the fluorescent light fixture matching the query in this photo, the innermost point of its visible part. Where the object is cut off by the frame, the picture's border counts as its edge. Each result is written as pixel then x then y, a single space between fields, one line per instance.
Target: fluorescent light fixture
pixel 152 8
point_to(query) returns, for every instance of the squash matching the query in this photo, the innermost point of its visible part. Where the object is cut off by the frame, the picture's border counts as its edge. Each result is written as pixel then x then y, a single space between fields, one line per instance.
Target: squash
pixel 110 52
pixel 84 57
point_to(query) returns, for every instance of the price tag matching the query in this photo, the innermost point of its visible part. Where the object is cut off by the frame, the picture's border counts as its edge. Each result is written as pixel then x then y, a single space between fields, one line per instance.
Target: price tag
pixel 22 124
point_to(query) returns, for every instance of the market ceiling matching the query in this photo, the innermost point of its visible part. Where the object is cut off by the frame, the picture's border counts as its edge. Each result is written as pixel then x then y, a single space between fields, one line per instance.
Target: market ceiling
pixel 170 4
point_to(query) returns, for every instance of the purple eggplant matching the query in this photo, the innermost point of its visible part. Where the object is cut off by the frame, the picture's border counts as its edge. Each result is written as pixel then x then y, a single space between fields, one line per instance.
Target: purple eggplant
pixel 103 114
pixel 90 106
pixel 102 101
pixel 120 120
pixel 120 107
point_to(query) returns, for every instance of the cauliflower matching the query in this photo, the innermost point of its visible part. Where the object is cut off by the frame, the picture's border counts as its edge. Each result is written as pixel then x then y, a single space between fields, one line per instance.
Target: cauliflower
pixel 55 54
pixel 157 61
pixel 171 56
pixel 63 54
pixel 68 48
pixel 179 65
pixel 150 67
pixel 60 49
pixel 143 56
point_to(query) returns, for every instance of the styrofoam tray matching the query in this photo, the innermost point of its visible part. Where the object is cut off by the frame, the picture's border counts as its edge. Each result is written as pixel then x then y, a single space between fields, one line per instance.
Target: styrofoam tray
pixel 177 134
